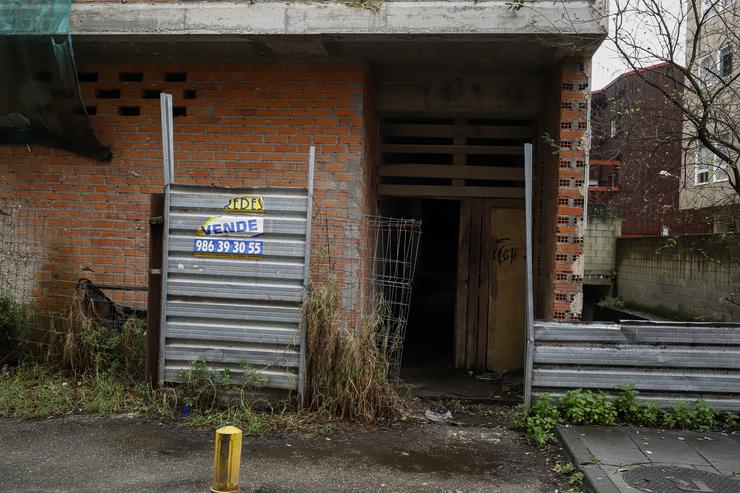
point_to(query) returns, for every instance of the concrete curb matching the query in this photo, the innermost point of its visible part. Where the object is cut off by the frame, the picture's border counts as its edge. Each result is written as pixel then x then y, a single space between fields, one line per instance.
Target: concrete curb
pixel 596 479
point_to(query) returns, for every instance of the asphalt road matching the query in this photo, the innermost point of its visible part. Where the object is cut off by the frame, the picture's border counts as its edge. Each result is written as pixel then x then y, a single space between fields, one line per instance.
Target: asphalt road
pixel 136 454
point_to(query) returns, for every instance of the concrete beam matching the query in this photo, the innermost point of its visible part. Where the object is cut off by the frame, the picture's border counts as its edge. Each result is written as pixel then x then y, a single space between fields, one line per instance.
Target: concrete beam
pixel 570 17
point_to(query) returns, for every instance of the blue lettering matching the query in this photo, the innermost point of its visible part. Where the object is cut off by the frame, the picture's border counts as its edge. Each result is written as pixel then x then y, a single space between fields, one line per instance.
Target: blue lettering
pixel 206 229
pixel 252 224
pixel 241 226
pixel 217 229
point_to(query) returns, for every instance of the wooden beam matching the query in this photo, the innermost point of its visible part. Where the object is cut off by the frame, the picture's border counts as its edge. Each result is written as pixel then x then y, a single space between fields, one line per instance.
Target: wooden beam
pixel 471 357
pixel 503 173
pixel 461 296
pixel 447 131
pixel 451 149
pixel 451 191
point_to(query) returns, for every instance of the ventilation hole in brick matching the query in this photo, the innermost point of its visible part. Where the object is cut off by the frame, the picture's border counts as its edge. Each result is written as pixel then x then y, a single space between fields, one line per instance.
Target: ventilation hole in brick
pixel 559 315
pixel 582 125
pixel 108 93
pixel 561 257
pixel 131 76
pixel 580 163
pixel 567 86
pixel 563 201
pixel 129 110
pixel 578 202
pixel 189 94
pixel 564 183
pixel 87 76
pixel 150 93
pixel 582 105
pixel 561 276
pixel 579 183
pixel 562 297
pixel 179 111
pixel 175 76
pixel 562 239
pixel 566 105
pixel 563 220
pixel 565 125
pixel 583 86
pixel 577 278
pixel 564 163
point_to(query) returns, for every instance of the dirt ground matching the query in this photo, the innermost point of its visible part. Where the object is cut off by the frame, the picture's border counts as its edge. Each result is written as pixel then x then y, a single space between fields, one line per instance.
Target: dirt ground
pixel 477 452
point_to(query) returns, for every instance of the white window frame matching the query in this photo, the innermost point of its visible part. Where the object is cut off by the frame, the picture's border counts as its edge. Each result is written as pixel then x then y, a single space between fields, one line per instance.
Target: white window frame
pixel 711 78
pixel 701 168
pixel 720 167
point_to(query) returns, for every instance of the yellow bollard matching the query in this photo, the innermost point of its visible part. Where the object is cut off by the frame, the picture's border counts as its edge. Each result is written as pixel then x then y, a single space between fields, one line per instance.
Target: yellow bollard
pixel 226 459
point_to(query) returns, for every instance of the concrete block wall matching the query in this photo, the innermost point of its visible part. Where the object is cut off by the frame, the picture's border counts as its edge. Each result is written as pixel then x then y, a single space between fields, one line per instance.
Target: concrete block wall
pixel 600 244
pixel 686 277
pixel 240 125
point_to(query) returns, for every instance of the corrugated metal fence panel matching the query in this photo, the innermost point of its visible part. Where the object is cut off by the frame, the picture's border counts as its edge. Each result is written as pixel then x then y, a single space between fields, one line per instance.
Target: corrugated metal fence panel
pixel 234 310
pixel 666 361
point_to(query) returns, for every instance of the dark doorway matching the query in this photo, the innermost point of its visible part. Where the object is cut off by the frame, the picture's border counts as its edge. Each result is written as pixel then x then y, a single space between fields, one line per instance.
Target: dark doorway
pixel 429 340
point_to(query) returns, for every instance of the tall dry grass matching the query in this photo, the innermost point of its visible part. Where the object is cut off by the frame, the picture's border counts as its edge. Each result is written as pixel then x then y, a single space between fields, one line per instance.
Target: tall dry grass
pixel 347 370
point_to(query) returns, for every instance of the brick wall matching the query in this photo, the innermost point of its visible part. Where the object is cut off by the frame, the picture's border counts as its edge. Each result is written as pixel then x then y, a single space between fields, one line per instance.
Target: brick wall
pixel 563 196
pixel 238 125
pixel 681 277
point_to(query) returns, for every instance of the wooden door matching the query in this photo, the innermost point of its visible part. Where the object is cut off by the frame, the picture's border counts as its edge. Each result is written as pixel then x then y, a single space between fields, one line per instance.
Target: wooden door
pixel 489 312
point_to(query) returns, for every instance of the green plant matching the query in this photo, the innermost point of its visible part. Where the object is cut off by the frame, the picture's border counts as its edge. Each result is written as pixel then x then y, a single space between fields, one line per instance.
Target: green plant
pixel 514 5
pixel 699 416
pixel 703 416
pixel 538 420
pixel 14 326
pixel 347 371
pixel 731 420
pixel 610 302
pixel 588 407
pixel 571 472
pixel 626 403
pixel 650 414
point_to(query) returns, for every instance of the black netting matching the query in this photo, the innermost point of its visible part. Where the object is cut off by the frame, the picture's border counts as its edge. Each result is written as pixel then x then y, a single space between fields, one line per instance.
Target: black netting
pixel 40 100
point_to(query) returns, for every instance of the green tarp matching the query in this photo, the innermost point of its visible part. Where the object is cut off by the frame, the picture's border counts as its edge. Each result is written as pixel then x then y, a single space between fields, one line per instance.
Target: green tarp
pixel 40 100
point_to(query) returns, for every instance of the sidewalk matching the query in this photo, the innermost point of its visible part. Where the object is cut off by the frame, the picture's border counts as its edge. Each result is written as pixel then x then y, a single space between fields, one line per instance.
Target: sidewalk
pixel 620 459
pixel 91 455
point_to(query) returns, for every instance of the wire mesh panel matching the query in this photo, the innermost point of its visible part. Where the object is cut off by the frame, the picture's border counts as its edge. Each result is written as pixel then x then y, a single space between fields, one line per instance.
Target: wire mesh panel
pixel 395 248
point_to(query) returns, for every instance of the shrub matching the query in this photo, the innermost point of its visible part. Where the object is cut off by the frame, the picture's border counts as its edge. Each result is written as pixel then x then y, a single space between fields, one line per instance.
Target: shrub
pixel 588 407
pixel 14 325
pixel 626 403
pixel 539 420
pixel 650 414
pixel 699 416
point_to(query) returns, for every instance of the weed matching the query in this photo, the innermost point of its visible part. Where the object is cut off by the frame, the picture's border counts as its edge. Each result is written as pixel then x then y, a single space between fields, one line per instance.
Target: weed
pixel 14 325
pixel 699 416
pixel 731 420
pixel 612 302
pixel 650 414
pixel 539 420
pixel 626 403
pixel 347 370
pixel 571 473
pixel 703 416
pixel 587 407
